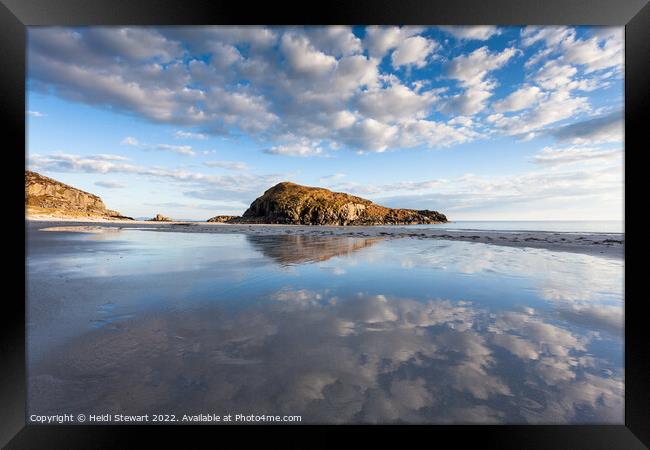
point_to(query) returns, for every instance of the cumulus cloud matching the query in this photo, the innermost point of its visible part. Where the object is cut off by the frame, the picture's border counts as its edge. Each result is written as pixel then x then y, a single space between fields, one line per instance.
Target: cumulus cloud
pixel 413 51
pixel 335 40
pixel 480 33
pixel 555 107
pixel 472 68
pixel 522 98
pixel 329 84
pixel 598 52
pixel 380 39
pixel 304 58
pixel 133 44
pixel 395 103
pixel 471 71
pixel 601 51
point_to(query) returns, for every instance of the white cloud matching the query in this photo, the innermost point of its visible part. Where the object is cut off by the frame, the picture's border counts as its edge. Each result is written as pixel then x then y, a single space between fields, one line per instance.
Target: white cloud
pixel 335 40
pixel 432 134
pixel 596 54
pixel 572 155
pixel 224 55
pixel 304 58
pixel 189 135
pixel 204 36
pixel 133 43
pixel 472 68
pixel 62 162
pixel 480 33
pixel 554 75
pixel 332 177
pixel 471 101
pixel 603 50
pixel 471 71
pixel 129 140
pixel 303 148
pixel 232 165
pixel 522 98
pixel 413 51
pixel 323 88
pixel 353 72
pixel 180 149
pixel 110 184
pixel 370 134
pixel 548 193
pixel 381 39
pixel 555 107
pixel 549 35
pixel 395 103
pixel 35 114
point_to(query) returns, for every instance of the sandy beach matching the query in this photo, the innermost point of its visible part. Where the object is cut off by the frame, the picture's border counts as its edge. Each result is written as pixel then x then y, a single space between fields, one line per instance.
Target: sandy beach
pixel 610 245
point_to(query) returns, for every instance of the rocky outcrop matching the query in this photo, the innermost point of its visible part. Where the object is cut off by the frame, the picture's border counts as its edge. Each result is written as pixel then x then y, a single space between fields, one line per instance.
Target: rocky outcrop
pixel 160 218
pixel 222 219
pixel 46 196
pixel 290 203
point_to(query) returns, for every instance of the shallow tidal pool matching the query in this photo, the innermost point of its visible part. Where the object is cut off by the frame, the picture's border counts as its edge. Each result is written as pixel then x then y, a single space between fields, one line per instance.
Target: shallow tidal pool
pixel 334 329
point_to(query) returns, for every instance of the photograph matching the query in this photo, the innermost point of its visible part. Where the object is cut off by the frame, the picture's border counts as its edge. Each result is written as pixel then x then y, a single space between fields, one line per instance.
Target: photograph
pixel 325 225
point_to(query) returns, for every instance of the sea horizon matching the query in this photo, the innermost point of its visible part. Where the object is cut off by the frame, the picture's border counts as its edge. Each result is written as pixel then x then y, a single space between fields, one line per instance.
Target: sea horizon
pixel 564 226
pixel 560 226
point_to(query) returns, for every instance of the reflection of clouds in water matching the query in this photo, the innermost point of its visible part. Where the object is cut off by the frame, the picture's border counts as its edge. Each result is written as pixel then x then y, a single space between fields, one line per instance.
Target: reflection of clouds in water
pixel 608 317
pixel 584 289
pixel 368 358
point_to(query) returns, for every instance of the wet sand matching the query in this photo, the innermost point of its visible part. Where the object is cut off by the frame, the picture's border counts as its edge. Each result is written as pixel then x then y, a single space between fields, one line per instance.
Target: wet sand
pixel 599 244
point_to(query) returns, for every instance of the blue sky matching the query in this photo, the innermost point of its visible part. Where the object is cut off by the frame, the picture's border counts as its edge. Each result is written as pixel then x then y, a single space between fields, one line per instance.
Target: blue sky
pixel 480 123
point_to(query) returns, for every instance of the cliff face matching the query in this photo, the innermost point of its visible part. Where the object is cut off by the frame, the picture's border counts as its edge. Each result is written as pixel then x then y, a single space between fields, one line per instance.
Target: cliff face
pixel 44 195
pixel 289 203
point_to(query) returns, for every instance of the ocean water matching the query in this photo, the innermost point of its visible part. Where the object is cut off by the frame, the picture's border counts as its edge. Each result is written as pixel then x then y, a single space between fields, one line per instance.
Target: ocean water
pixel 333 329
pixel 568 226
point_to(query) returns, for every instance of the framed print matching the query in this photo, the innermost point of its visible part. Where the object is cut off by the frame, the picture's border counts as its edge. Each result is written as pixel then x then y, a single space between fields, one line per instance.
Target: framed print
pixel 373 217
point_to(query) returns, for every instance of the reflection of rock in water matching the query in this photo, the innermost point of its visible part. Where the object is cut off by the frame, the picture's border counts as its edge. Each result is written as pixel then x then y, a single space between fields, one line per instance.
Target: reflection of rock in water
pixel 291 249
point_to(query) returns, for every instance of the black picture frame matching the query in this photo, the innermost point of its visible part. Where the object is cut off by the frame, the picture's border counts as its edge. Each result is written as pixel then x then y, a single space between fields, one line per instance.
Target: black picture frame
pixel 16 15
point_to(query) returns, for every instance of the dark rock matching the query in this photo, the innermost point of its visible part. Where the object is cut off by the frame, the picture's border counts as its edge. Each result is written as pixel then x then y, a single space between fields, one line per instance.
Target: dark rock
pixel 222 219
pixel 290 203
pixel 160 218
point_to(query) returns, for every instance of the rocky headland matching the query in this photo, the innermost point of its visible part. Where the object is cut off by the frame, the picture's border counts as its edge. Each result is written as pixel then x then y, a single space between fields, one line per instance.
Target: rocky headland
pixel 293 204
pixel 222 219
pixel 48 197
